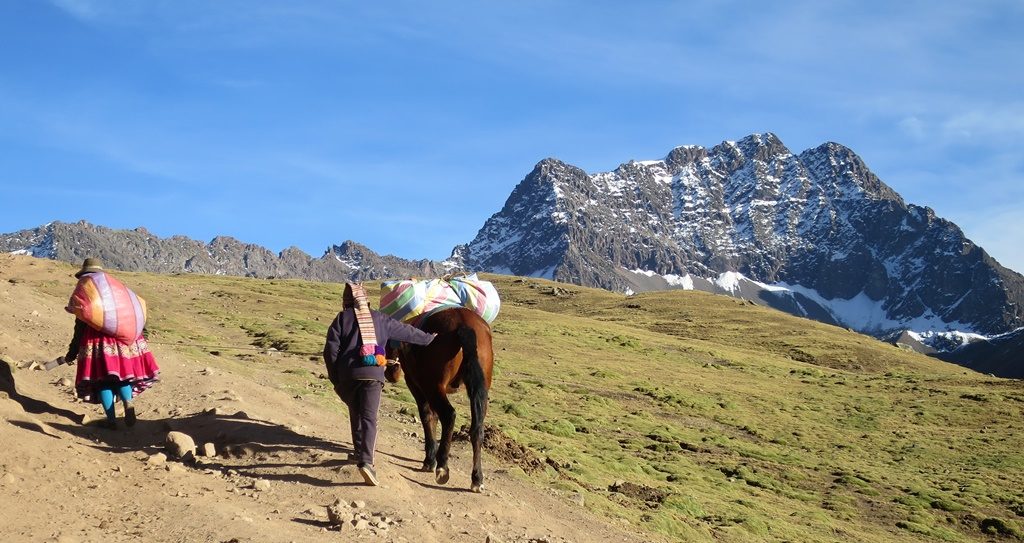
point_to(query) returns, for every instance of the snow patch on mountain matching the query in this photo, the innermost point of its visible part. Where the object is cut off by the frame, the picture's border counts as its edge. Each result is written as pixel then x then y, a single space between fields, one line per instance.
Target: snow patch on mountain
pixel 729 281
pixel 682 282
pixel 40 242
pixel 859 312
pixel 685 282
pixel 350 262
pixel 42 250
pixel 947 341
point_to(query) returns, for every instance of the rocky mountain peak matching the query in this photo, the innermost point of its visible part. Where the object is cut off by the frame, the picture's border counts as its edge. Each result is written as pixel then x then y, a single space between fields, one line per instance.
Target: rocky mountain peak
pixel 764 147
pixel 350 248
pixel 845 170
pixel 819 222
pixel 683 156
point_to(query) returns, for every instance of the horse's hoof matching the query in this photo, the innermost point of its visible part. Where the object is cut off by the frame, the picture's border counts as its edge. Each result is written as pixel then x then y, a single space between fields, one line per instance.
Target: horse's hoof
pixel 428 466
pixel 477 488
pixel 441 476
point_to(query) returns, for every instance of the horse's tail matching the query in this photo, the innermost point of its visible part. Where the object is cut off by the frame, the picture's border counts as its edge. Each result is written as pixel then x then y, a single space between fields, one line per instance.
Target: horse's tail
pixel 476 383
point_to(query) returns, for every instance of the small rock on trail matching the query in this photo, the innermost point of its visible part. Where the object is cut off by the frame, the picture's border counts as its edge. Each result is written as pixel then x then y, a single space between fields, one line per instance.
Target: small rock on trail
pixel 181 446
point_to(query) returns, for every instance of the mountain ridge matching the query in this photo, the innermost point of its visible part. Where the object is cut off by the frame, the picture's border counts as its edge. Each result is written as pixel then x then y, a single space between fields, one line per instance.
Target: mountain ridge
pixel 140 250
pixel 816 234
pixel 819 220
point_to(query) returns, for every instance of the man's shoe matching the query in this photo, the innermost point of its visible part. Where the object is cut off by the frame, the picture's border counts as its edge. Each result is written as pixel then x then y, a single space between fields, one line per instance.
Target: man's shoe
pixel 370 476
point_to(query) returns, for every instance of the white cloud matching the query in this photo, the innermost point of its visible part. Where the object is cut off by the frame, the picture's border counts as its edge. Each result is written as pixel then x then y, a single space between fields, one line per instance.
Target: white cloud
pixel 132 148
pixel 1000 121
pixel 944 123
pixel 913 127
pixel 82 9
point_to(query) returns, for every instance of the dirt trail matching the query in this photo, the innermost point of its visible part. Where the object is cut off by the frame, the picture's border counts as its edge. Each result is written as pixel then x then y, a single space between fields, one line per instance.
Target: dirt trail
pixel 280 460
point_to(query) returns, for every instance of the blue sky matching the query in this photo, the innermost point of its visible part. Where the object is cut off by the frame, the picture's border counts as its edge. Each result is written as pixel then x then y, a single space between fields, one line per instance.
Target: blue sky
pixel 404 125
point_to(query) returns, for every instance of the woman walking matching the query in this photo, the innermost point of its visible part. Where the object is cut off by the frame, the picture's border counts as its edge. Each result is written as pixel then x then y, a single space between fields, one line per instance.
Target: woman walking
pixel 114 360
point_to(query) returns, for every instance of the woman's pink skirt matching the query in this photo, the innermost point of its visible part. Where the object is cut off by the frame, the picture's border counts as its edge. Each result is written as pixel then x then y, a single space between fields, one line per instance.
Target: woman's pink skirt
pixel 103 360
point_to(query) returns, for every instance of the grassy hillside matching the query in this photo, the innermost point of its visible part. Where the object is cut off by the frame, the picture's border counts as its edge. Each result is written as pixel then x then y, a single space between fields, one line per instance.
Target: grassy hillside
pixel 695 417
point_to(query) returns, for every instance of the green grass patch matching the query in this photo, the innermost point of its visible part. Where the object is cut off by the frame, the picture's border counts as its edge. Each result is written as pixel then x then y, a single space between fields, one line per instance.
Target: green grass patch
pixel 746 424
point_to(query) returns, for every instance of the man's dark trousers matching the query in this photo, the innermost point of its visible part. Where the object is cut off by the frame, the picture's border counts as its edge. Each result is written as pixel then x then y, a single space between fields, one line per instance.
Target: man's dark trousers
pixel 363 400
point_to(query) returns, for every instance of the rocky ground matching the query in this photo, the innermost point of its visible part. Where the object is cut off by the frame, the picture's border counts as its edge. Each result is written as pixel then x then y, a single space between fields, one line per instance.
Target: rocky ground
pixel 267 466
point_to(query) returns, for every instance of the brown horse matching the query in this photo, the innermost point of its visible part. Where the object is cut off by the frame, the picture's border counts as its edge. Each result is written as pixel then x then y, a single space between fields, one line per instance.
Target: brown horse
pixel 461 354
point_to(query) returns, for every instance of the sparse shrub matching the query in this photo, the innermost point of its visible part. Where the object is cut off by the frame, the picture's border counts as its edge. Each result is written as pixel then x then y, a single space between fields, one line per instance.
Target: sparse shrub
pixel 560 428
pixel 945 504
pixel 515 409
pixel 859 483
pixel 932 532
pixel 624 341
pixel 662 447
pixel 1017 508
pixel 913 501
pixel 912 527
pixel 807 372
pixel 998 526
pixel 842 510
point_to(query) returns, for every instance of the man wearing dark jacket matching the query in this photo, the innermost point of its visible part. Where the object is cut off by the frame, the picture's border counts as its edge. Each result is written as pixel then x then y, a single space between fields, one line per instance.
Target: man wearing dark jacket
pixel 357 378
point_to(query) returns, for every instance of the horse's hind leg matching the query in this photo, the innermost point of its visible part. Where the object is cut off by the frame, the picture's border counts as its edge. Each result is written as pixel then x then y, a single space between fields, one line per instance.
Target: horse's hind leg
pixel 478 409
pixel 446 413
pixel 476 380
pixel 429 420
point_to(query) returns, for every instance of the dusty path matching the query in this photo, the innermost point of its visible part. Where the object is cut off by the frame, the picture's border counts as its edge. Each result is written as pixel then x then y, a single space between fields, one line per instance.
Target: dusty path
pixel 280 460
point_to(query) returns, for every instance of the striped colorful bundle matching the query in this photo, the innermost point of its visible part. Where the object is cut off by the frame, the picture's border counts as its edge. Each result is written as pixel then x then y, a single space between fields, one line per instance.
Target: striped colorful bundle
pixel 480 296
pixel 410 300
pixel 109 307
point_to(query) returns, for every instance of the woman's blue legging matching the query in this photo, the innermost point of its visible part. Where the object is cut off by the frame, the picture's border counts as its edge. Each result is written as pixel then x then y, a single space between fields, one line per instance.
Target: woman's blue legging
pixel 124 391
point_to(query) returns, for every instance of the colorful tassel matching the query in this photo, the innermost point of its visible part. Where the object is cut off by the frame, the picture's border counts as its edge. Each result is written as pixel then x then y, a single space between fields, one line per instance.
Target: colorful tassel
pixel 373 355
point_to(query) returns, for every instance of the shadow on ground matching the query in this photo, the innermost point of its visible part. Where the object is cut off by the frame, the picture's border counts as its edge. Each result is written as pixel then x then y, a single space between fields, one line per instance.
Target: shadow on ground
pixel 245 445
pixel 30 405
pixel 249 447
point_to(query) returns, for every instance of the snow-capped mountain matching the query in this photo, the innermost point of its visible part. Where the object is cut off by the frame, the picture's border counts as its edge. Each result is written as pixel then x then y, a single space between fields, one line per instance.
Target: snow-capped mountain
pixel 815 233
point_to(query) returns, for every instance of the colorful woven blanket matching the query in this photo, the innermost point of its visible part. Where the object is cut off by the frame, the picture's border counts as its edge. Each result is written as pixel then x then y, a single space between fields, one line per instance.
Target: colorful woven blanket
pixel 107 306
pixel 410 300
pixel 373 354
